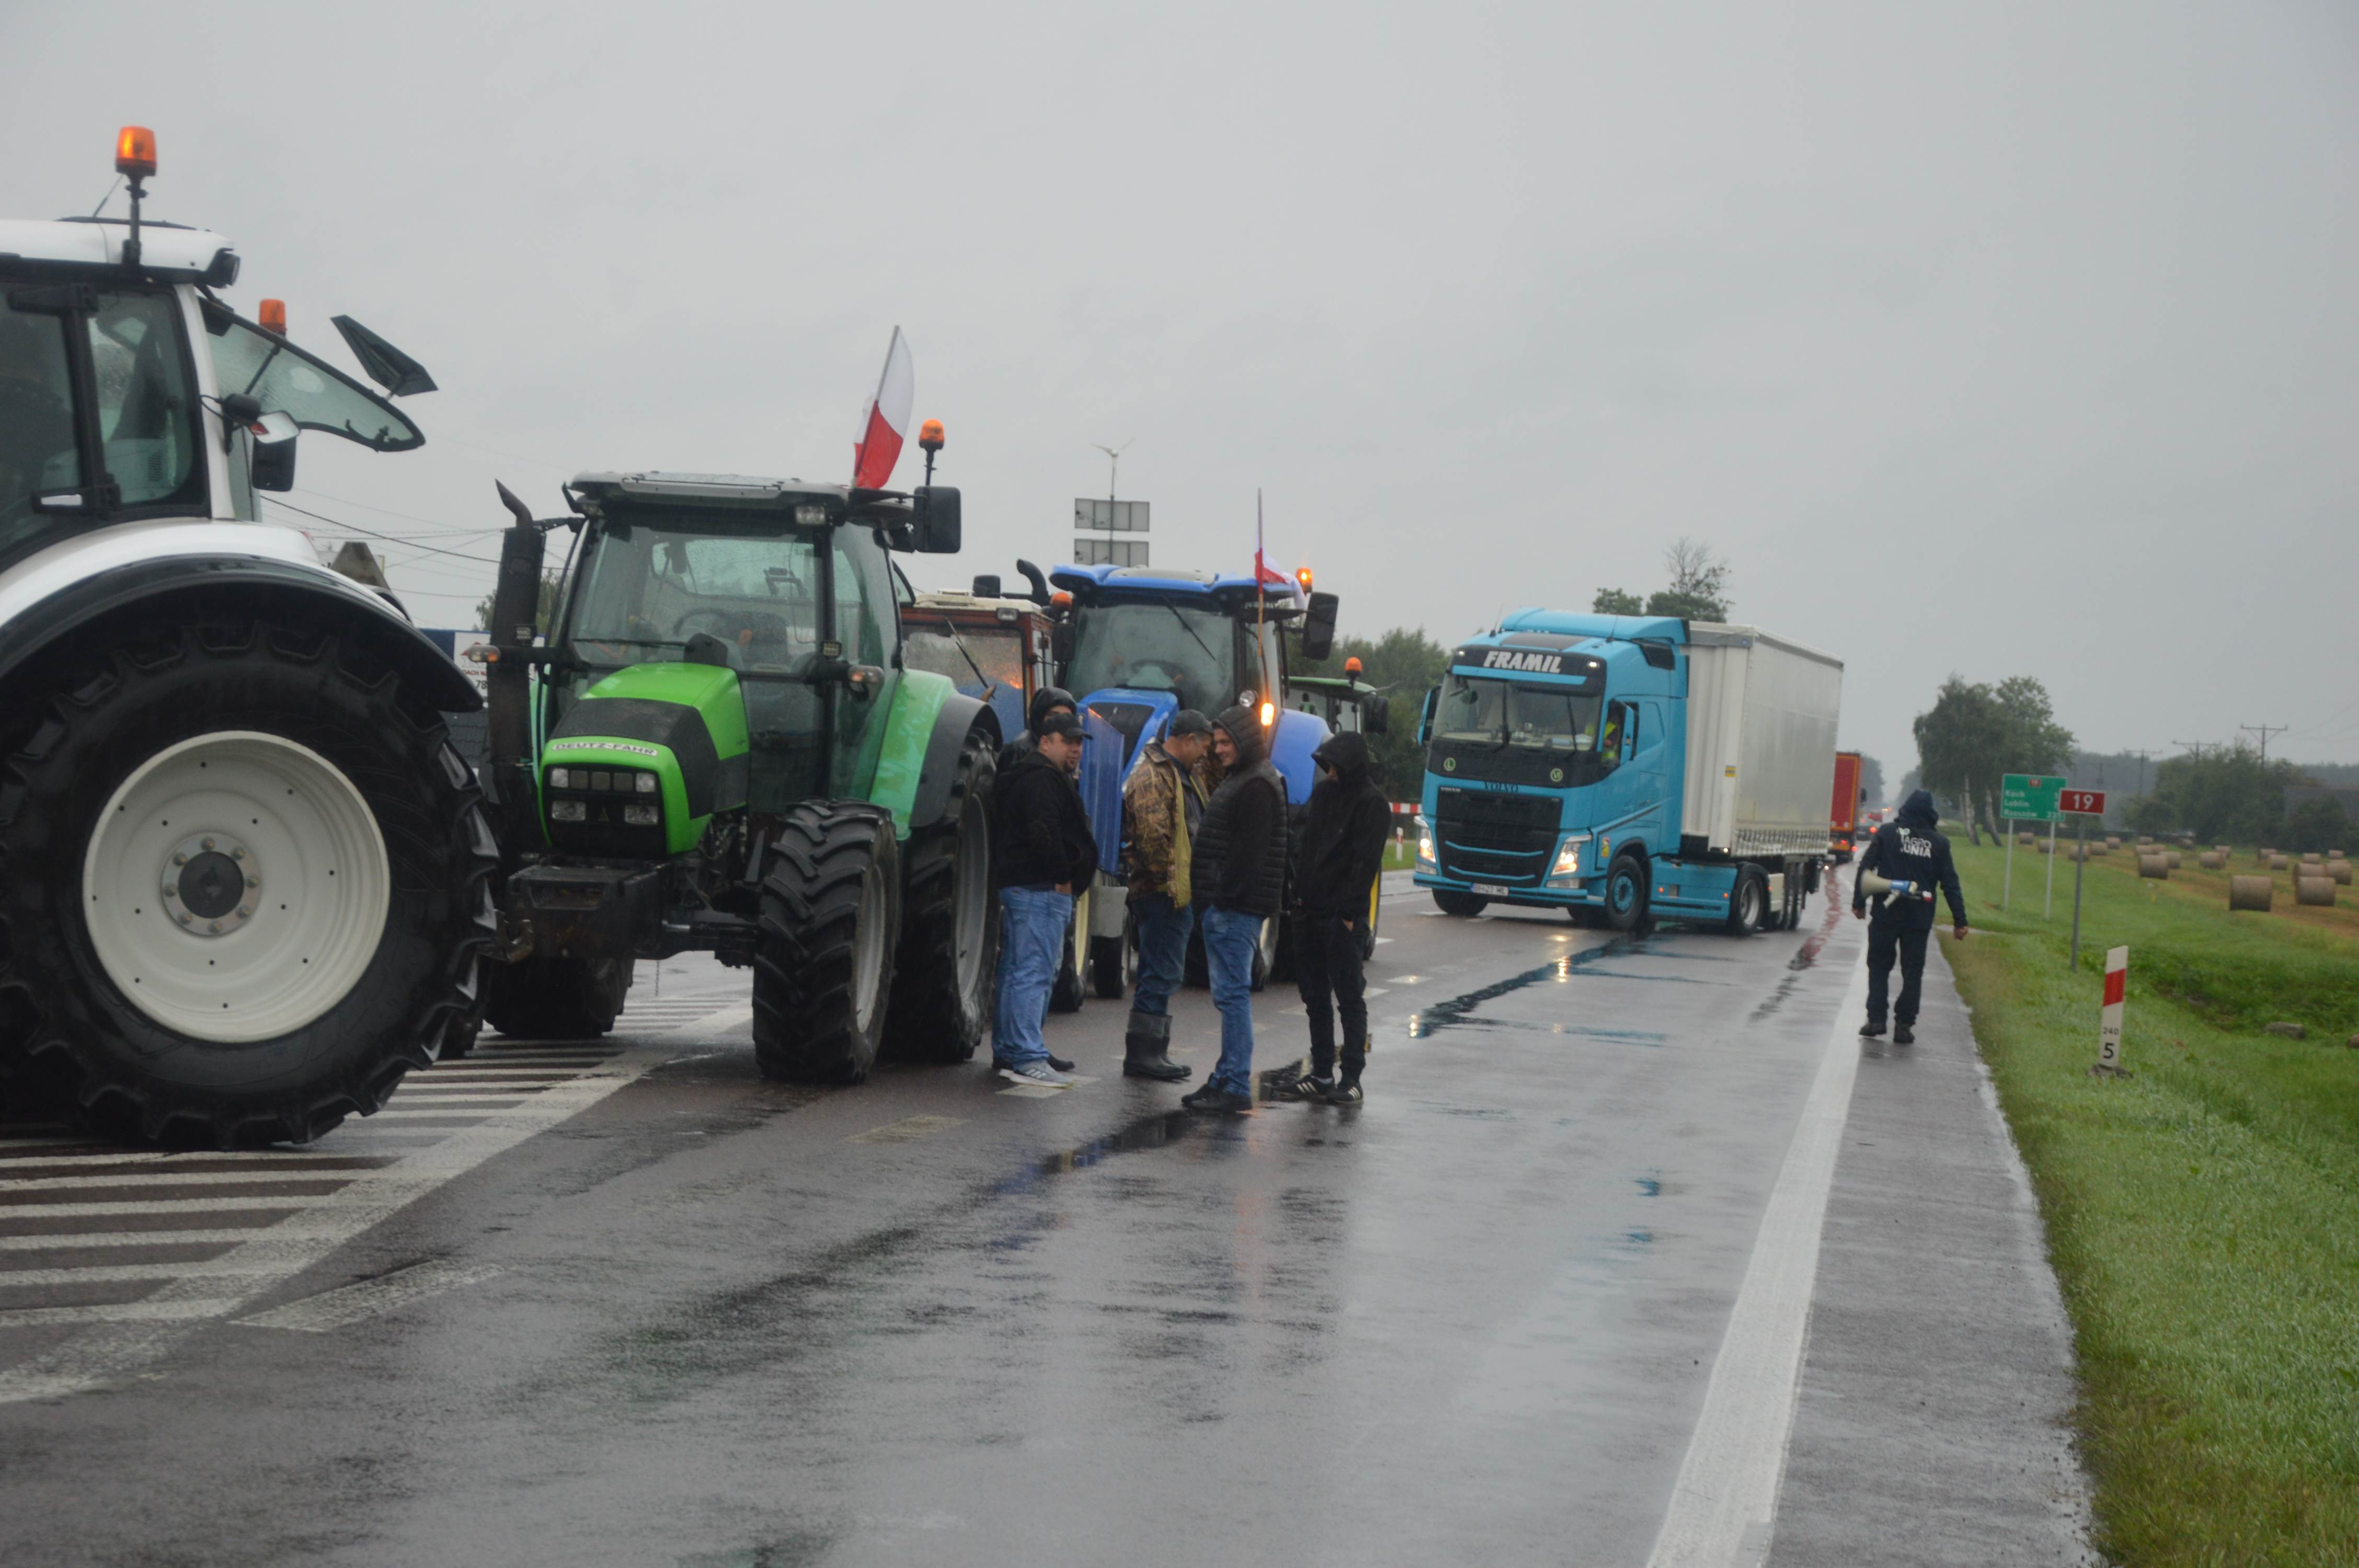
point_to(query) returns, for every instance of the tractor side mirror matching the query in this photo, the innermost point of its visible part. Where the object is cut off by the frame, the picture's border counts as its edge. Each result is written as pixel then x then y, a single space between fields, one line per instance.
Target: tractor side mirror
pixel 1376 714
pixel 1425 719
pixel 865 681
pixel 1319 627
pixel 936 521
pixel 272 465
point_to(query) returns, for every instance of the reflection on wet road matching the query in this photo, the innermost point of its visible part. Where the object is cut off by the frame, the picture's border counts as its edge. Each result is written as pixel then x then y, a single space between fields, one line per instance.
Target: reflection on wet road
pixel 705 1321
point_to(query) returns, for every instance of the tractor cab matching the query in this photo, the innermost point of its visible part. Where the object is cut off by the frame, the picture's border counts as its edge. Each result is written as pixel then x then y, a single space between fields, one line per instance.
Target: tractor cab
pixel 1348 705
pixel 996 649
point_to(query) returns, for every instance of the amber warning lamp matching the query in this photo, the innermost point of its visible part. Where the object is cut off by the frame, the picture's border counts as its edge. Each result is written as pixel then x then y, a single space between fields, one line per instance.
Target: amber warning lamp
pixel 929 436
pixel 1303 576
pixel 134 161
pixel 1352 668
pixel 274 316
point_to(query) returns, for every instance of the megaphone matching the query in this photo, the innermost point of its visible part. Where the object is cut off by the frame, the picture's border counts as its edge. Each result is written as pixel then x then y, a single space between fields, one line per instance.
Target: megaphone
pixel 1870 884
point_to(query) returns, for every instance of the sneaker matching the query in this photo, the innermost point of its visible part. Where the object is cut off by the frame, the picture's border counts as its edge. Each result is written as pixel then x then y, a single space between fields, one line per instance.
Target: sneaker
pixel 1870 1029
pixel 1346 1094
pixel 1904 1035
pixel 1213 1098
pixel 1298 1085
pixel 1033 1073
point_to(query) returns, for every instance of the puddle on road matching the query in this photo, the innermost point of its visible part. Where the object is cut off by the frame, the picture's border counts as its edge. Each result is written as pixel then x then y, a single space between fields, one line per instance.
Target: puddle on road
pixel 1157 1131
pixel 1458 1011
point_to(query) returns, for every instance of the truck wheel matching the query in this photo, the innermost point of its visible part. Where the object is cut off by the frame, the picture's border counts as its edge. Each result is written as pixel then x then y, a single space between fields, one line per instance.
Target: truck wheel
pixel 1625 893
pixel 1065 996
pixel 1748 902
pixel 830 911
pixel 555 998
pixel 246 882
pixel 1450 901
pixel 949 962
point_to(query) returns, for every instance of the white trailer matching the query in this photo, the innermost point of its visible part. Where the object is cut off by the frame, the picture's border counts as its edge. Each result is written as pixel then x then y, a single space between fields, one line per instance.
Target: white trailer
pixel 1762 712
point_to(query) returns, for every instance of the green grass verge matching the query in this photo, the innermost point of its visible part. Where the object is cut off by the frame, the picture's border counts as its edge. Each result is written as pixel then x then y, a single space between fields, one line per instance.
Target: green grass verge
pixel 1400 857
pixel 2203 1213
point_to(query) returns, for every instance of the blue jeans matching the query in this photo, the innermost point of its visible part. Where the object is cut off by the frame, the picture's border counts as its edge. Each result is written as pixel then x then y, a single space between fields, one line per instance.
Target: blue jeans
pixel 1230 939
pixel 1163 929
pixel 1031 944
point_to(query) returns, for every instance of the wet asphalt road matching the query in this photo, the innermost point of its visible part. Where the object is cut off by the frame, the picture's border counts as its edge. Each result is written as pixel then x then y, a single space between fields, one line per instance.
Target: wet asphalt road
pixel 696 1319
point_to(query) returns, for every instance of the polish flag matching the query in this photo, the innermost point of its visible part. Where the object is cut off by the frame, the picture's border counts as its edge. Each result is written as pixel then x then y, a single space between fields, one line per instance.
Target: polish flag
pixel 1263 571
pixel 887 420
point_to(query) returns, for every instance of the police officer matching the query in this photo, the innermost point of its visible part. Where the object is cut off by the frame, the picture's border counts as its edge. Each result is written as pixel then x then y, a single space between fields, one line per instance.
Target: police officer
pixel 1909 848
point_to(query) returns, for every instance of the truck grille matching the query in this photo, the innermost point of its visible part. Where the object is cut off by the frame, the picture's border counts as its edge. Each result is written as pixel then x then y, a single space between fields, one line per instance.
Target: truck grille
pixel 1482 837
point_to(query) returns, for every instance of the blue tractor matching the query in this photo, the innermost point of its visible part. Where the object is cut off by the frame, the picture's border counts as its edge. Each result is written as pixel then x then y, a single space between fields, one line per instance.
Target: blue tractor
pixel 1137 644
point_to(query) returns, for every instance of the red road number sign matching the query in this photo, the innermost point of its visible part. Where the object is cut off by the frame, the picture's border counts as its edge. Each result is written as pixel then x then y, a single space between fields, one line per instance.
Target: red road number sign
pixel 2081 802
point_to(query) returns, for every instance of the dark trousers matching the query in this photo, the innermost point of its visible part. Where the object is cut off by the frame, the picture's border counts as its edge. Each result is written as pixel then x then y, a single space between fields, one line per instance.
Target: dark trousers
pixel 1327 972
pixel 1887 939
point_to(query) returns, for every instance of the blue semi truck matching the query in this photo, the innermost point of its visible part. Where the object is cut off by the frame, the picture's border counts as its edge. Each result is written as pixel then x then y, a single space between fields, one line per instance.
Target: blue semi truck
pixel 1629 767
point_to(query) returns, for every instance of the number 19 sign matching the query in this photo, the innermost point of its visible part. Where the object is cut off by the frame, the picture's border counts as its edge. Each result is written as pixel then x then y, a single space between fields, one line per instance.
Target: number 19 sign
pixel 2081 802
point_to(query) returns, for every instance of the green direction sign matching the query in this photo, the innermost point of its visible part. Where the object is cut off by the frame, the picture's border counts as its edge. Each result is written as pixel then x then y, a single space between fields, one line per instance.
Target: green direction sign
pixel 2029 797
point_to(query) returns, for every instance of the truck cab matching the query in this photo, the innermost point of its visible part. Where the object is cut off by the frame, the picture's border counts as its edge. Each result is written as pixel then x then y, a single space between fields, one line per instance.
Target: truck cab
pixel 1624 765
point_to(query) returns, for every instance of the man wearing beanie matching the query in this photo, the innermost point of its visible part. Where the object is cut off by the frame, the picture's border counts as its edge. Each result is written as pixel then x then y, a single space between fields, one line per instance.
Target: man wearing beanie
pixel 1236 875
pixel 1342 854
pixel 1162 813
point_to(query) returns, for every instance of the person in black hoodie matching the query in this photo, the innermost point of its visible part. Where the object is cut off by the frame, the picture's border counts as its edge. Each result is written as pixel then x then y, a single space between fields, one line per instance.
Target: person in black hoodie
pixel 1045 701
pixel 1236 875
pixel 1909 848
pixel 1041 848
pixel 1341 855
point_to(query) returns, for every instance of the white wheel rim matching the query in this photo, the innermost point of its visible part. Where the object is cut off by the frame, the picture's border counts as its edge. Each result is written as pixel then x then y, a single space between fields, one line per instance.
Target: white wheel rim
pixel 868 952
pixel 311 912
pixel 971 917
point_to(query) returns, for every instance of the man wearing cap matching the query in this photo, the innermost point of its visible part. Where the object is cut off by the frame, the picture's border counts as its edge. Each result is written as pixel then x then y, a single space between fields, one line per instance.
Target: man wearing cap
pixel 1162 812
pixel 1041 848
pixel 1237 874
pixel 1047 700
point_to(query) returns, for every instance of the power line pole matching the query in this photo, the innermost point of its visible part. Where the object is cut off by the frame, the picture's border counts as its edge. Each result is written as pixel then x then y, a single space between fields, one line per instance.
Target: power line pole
pixel 2264 731
pixel 2141 756
pixel 2195 746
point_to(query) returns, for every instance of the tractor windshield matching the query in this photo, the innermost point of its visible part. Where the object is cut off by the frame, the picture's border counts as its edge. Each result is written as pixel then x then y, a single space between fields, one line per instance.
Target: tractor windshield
pixel 648 590
pixel 1158 646
pixel 979 660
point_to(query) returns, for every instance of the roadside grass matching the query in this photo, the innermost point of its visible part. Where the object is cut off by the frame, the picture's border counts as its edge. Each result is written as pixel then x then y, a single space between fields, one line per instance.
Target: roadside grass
pixel 2203 1213
pixel 1400 857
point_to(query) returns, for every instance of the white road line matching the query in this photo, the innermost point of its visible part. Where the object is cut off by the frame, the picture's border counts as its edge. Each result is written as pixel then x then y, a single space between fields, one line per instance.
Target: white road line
pixel 157 1310
pixel 129 1273
pixel 371 1298
pixel 118 1343
pixel 160 1176
pixel 908 1130
pixel 1726 1496
pixel 158 1206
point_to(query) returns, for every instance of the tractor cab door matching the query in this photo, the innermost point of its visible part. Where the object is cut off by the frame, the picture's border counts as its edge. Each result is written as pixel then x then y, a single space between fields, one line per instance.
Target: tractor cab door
pixel 865 622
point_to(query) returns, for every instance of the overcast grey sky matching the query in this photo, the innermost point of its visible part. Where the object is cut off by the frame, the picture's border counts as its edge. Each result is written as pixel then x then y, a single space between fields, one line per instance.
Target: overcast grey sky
pixel 2002 339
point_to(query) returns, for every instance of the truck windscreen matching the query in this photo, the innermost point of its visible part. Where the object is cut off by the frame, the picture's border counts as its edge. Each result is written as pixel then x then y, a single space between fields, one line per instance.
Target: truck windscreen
pixel 1515 732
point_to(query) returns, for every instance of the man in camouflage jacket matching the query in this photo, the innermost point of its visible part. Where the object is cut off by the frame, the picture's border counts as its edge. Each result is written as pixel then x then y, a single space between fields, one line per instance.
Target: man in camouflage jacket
pixel 1162 803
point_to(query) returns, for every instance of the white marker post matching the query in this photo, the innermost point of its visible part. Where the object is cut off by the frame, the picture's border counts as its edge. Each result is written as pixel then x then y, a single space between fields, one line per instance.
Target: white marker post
pixel 2109 1024
pixel 2006 892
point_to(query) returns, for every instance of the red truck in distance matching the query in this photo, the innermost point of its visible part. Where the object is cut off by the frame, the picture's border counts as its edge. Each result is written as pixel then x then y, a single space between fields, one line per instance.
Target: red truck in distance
pixel 1845 812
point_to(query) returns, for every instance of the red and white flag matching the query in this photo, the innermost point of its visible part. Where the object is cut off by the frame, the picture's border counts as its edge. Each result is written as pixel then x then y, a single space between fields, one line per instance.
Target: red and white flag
pixel 1263 571
pixel 887 420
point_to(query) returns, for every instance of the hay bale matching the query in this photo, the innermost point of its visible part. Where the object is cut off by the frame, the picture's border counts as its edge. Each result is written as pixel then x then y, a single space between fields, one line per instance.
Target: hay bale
pixel 2252 892
pixel 2112 842
pixel 2146 840
pixel 2276 863
pixel 2313 859
pixel 2172 856
pixel 2288 1031
pixel 2026 837
pixel 2211 859
pixel 2044 846
pixel 2221 848
pixel 2334 855
pixel 2339 872
pixel 2154 866
pixel 2315 889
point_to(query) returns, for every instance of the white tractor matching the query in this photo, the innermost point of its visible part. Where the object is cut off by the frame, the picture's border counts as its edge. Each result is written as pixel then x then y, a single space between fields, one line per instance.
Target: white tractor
pixel 244 876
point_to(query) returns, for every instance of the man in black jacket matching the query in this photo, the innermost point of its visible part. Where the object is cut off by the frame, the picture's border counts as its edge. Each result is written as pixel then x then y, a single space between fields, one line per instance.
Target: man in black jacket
pixel 1237 875
pixel 1336 867
pixel 1041 848
pixel 1045 701
pixel 1910 849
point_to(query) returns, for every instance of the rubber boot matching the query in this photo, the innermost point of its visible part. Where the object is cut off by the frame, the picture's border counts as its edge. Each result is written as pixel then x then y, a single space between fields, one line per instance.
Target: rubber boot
pixel 1145 1050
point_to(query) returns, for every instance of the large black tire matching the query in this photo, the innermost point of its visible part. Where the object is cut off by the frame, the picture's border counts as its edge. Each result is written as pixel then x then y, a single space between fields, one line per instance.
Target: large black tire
pixel 1109 967
pixel 945 974
pixel 1065 995
pixel 1626 890
pixel 1748 902
pixel 555 998
pixel 1450 901
pixel 831 917
pixel 72 1041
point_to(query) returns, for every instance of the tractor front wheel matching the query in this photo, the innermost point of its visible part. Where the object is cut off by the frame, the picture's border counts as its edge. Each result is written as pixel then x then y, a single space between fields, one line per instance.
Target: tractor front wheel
pixel 942 983
pixel 831 917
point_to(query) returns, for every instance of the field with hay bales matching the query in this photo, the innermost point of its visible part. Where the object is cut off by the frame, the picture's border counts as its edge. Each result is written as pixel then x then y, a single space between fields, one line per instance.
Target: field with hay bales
pixel 2203 1211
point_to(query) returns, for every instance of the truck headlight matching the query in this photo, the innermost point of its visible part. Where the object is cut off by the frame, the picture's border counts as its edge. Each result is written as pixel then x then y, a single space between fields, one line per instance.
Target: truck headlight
pixel 638 816
pixel 1568 858
pixel 569 811
pixel 1424 843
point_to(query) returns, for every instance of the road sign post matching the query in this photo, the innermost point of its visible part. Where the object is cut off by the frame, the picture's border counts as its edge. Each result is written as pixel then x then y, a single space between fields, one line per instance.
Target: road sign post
pixel 2031 797
pixel 2080 804
pixel 2006 892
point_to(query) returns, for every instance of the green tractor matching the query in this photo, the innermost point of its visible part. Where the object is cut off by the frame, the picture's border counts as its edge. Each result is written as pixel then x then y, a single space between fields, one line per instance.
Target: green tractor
pixel 717 748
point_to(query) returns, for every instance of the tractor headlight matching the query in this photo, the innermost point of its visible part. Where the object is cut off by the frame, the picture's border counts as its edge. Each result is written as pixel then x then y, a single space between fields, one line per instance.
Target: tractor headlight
pixel 1424 845
pixel 569 811
pixel 561 778
pixel 638 816
pixel 1567 869
pixel 646 785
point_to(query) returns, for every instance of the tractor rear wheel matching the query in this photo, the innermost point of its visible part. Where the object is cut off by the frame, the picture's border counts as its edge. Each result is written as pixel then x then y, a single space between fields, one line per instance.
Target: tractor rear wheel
pixel 247 884
pixel 942 980
pixel 831 917
pixel 555 998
